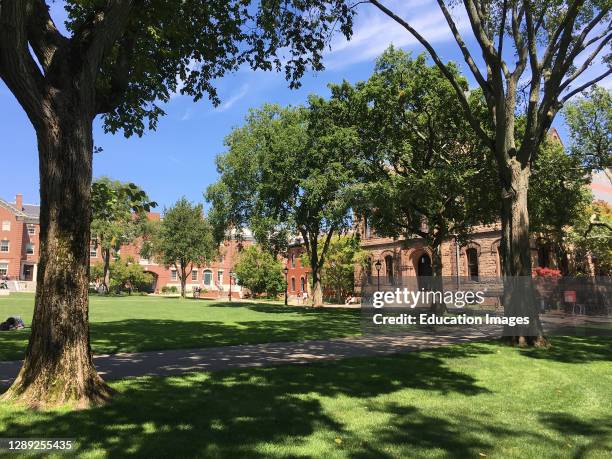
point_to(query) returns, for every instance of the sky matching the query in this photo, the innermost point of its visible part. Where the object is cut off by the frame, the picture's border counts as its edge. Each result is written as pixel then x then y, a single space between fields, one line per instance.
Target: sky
pixel 178 159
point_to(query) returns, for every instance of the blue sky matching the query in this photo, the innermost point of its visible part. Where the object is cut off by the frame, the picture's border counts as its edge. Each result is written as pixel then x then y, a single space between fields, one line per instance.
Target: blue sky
pixel 178 158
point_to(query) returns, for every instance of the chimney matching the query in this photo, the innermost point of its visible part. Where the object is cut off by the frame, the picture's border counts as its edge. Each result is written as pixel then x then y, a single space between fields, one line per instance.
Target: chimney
pixel 19 201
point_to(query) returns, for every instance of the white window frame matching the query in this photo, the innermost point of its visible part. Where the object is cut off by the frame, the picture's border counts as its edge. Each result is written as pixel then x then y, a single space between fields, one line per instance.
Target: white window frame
pixel 194 274
pixel 30 248
pixel 220 276
pixel 6 225
pixel 5 268
pixel 8 246
pixel 31 230
pixel 173 275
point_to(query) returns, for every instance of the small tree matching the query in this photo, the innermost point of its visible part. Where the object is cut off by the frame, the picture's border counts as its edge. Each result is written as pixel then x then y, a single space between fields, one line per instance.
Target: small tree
pixel 591 236
pixel 128 275
pixel 259 271
pixel 338 274
pixel 118 216
pixel 185 239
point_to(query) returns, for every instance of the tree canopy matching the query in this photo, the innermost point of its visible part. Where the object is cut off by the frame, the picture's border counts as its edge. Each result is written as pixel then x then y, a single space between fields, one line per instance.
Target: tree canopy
pixel 259 271
pixel 184 239
pixel 288 172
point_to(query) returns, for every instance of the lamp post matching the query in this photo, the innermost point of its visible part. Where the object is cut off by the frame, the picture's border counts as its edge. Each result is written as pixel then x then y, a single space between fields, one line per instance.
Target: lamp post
pixel 378 265
pixel 232 276
pixel 286 272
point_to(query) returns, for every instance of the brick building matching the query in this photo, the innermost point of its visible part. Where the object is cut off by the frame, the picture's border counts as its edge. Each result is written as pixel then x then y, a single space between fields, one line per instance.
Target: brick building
pixel 19 231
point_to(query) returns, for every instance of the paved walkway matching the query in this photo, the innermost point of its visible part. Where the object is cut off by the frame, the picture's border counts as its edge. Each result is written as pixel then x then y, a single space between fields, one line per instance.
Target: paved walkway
pixel 172 362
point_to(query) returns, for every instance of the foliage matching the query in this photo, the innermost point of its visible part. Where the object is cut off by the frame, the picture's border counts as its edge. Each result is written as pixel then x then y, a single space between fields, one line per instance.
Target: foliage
pixel 427 174
pixel 287 172
pixel 169 289
pixel 118 217
pixel 589 120
pixel 338 273
pixel 592 235
pixel 184 239
pixel 259 271
pixel 127 275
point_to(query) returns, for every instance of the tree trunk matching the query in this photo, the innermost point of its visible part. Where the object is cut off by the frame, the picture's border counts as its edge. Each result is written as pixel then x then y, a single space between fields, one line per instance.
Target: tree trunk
pixel 317 288
pixel 58 367
pixel 519 298
pixel 437 308
pixel 106 279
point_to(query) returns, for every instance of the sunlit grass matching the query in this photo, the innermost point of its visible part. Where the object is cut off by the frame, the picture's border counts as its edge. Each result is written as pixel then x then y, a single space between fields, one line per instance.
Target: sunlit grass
pixel 140 323
pixel 464 401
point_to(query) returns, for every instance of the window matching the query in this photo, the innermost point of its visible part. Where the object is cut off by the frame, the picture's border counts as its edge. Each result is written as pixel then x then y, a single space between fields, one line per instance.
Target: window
pixel 93 250
pixel 302 284
pixel 293 284
pixel 4 245
pixel 472 262
pixel 543 257
pixel 389 267
pixel 31 230
pixel 30 249
pixel 293 260
pixel 207 277
pixel 6 225
pixel 173 275
pixel 194 274
pixel 3 269
pixel 220 276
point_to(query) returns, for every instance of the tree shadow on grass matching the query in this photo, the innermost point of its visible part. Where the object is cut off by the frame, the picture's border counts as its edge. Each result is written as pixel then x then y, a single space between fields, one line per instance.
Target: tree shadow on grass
pixel 240 413
pixel 574 349
pixel 598 431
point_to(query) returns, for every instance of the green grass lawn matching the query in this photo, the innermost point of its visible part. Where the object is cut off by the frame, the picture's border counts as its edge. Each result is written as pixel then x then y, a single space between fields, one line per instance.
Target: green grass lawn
pixel 463 401
pixel 140 323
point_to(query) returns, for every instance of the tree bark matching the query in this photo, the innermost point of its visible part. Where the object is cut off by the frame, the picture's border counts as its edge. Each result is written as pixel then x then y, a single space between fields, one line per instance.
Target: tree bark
pixel 437 308
pixel 317 288
pixel 106 279
pixel 519 297
pixel 58 368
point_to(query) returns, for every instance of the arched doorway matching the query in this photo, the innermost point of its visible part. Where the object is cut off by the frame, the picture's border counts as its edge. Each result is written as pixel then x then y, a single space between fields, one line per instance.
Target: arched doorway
pixel 389 268
pixel 152 287
pixel 423 267
pixel 424 271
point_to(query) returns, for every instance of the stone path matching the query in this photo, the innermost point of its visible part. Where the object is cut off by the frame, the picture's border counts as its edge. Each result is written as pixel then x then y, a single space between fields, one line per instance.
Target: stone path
pixel 172 362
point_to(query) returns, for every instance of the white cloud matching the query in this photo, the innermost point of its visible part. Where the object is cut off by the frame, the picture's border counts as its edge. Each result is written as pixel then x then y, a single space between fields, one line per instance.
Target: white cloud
pixel 374 31
pixel 244 89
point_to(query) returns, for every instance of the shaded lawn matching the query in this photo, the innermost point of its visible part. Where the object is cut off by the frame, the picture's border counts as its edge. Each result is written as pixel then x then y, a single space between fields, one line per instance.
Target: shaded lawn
pixel 139 323
pixel 471 400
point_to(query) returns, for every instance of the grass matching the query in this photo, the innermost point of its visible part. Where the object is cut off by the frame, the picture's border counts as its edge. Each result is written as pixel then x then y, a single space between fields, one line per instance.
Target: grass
pixel 471 400
pixel 140 323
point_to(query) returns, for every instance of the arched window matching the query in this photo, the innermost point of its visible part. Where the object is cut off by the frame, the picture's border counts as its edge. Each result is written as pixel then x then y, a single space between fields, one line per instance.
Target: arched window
pixel 293 260
pixel 472 262
pixel 389 267
pixel 302 284
pixel 293 284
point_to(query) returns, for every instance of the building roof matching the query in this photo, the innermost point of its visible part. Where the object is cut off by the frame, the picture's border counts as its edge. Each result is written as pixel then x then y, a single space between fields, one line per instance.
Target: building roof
pixel 29 212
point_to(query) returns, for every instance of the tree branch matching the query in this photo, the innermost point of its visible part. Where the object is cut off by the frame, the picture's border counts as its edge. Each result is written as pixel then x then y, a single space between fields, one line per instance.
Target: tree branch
pixel 101 31
pixel 585 64
pixel 464 49
pixel 18 69
pixel 581 88
pixel 44 37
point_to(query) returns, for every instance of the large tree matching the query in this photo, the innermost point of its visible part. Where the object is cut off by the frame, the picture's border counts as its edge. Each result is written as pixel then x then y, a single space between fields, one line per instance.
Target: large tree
pixel 118 216
pixel 553 43
pixel 289 171
pixel 184 240
pixel 427 173
pixel 121 59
